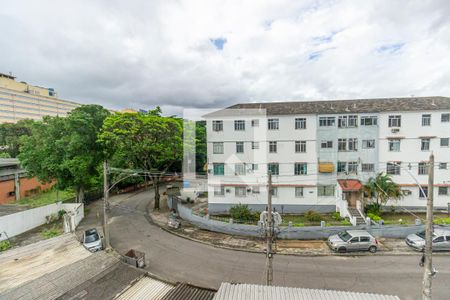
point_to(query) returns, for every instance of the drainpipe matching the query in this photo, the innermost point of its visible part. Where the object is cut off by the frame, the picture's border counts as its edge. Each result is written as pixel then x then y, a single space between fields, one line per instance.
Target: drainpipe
pixel 17 186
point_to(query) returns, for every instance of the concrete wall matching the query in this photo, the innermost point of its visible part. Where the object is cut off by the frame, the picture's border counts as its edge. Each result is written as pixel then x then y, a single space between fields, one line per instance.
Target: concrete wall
pixel 17 223
pixel 298 233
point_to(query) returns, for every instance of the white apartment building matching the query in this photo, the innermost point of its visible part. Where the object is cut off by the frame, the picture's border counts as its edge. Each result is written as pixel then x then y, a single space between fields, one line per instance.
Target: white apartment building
pixel 321 153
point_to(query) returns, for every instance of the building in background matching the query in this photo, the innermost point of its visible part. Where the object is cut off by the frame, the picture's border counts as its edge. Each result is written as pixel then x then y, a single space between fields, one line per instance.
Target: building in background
pixel 19 100
pixel 321 153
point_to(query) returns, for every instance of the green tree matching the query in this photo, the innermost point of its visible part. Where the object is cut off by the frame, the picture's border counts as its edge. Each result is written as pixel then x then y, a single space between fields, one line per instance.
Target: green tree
pixel 11 135
pixel 148 141
pixel 66 149
pixel 200 146
pixel 382 188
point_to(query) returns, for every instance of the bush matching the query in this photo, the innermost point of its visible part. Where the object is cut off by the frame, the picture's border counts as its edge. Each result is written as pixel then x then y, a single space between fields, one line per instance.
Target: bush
pixel 313 216
pixel 52 232
pixel 374 217
pixel 442 221
pixel 346 222
pixel 373 208
pixel 5 245
pixel 336 216
pixel 61 213
pixel 242 212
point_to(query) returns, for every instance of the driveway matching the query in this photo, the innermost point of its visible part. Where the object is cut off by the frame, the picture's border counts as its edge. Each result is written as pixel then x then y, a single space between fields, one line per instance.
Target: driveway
pixel 178 259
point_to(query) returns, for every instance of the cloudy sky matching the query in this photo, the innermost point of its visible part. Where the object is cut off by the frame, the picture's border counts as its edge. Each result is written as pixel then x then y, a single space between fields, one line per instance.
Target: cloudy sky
pixel 203 54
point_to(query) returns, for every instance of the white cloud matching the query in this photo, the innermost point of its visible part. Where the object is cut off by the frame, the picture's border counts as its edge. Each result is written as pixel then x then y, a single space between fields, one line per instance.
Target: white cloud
pixel 144 53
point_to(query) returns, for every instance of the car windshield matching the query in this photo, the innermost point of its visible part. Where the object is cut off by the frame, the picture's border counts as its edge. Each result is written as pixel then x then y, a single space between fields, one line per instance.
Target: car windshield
pixel 422 234
pixel 344 235
pixel 91 238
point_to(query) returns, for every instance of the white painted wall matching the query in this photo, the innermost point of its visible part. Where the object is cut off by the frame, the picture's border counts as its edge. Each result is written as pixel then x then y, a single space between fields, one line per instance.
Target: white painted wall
pixel 20 222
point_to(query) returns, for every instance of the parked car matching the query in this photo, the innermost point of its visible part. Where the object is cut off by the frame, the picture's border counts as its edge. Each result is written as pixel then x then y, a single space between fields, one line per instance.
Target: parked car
pixel 441 240
pixel 92 240
pixel 352 240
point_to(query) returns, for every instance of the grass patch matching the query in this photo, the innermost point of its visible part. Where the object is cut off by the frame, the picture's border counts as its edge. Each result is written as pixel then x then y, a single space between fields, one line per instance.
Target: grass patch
pixel 408 219
pixel 46 198
pixel 5 245
pixel 51 232
pixel 87 210
pixel 442 221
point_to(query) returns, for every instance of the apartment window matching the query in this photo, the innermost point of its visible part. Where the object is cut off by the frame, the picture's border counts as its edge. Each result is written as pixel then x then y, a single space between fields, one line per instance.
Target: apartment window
pixel 217 125
pixel 347 121
pixel 326 121
pixel 254 167
pixel 393 168
pixel 255 145
pixel 342 121
pixel 255 123
pixel 301 168
pixel 255 190
pixel 368 144
pixel 423 193
pixel 395 121
pixel 352 167
pixel 300 146
pixel 342 144
pixel 369 120
pixel 274 191
pixel 341 166
pixel 394 145
pixel 325 190
pixel 298 191
pixel 425 144
pixel 426 120
pixel 445 142
pixel 445 118
pixel 273 124
pixel 423 168
pixel 326 144
pixel 218 168
pixel 443 191
pixel 352 144
pixel 300 123
pixel 240 191
pixel 219 190
pixel 239 125
pixel 443 166
pixel 218 148
pixel 274 168
pixel 239 147
pixel 368 167
pixel 239 169
pixel 272 147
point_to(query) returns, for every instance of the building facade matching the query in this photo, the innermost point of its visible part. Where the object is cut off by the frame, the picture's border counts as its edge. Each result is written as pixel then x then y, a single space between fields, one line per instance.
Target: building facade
pixel 19 100
pixel 321 153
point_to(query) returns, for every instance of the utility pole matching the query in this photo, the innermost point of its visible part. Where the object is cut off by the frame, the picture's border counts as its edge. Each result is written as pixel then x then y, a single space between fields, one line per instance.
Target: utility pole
pixel 269 233
pixel 105 202
pixel 428 267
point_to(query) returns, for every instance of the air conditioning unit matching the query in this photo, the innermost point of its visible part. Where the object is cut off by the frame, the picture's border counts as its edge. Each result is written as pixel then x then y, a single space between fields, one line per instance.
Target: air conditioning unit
pixel 407 192
pixel 395 130
pixel 249 190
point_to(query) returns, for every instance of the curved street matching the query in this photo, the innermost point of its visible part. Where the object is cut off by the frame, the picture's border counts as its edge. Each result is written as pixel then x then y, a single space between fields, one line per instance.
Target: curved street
pixel 178 259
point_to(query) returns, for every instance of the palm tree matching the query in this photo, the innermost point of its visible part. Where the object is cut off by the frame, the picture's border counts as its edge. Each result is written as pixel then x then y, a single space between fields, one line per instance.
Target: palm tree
pixel 382 188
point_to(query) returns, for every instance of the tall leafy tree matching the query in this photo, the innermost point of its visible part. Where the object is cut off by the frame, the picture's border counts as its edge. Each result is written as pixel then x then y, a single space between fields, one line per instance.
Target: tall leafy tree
pixel 382 188
pixel 66 149
pixel 200 146
pixel 149 142
pixel 11 135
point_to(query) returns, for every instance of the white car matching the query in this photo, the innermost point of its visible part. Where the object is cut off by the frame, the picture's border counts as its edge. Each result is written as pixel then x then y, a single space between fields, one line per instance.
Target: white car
pixel 92 240
pixel 441 240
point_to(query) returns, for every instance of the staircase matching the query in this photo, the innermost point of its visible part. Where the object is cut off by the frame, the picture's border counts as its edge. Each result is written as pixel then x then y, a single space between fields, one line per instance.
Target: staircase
pixel 360 220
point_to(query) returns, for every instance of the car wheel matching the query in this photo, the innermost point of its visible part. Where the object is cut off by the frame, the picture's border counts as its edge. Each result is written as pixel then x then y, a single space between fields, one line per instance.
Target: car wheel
pixel 342 250
pixel 372 249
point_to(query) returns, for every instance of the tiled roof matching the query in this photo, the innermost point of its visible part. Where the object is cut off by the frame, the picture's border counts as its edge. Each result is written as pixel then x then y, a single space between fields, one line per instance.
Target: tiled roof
pixel 350 106
pixel 350 185
pixel 228 291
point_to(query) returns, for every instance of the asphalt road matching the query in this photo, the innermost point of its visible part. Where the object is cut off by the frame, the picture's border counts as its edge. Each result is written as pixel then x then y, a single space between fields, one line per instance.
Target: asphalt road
pixel 178 259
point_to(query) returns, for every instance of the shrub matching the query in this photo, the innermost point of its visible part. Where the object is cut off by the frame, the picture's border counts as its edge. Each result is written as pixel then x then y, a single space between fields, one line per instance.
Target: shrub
pixel 346 222
pixel 61 213
pixel 442 221
pixel 373 208
pixel 374 217
pixel 336 216
pixel 242 212
pixel 313 216
pixel 4 245
pixel 52 232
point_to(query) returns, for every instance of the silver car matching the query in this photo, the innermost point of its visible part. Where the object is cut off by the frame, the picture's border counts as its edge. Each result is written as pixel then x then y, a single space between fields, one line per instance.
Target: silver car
pixel 441 240
pixel 353 240
pixel 92 240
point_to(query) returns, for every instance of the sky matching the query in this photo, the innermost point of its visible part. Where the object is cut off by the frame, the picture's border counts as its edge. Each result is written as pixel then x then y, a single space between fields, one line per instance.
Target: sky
pixel 211 54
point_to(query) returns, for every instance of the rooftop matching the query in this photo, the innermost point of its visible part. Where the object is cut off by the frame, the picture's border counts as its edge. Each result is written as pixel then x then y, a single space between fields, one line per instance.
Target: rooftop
pixel 350 106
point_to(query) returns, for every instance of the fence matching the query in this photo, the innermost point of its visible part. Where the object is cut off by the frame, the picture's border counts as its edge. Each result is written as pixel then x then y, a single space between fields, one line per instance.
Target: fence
pixel 20 222
pixel 300 233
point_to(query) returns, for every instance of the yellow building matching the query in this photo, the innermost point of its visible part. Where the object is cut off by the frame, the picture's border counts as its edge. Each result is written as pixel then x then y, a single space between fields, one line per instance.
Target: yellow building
pixel 19 100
